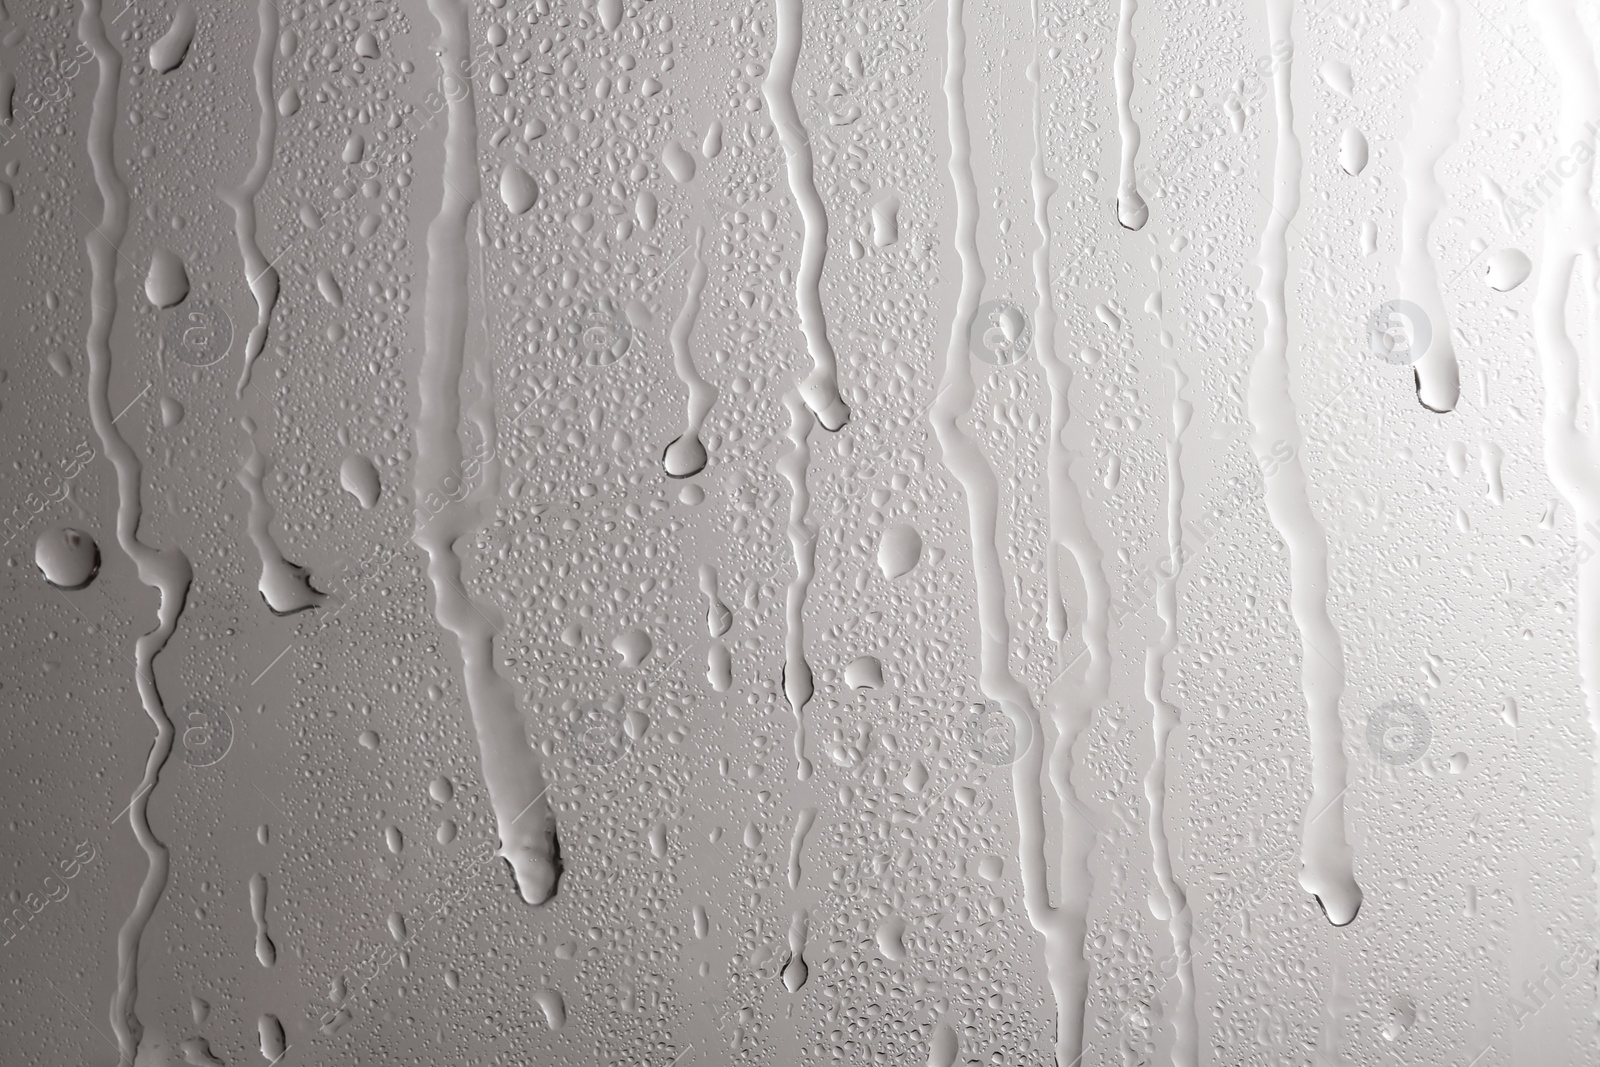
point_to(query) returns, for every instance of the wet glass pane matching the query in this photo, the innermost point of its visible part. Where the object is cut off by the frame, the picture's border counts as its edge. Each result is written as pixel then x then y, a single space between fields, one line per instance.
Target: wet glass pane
pixel 799 533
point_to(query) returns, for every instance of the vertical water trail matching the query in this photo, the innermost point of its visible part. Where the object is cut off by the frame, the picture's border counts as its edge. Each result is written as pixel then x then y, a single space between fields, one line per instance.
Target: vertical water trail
pixel 258 271
pixel 795 970
pixel 1327 863
pixel 820 389
pixel 1435 124
pixel 1132 211
pixel 1335 1008
pixel 719 620
pixel 284 585
pixel 797 684
pixel 804 819
pixel 1180 921
pixel 478 397
pixel 686 455
pixel 168 52
pixel 1072 702
pixel 266 951
pixel 1572 237
pixel 511 769
pixel 165 570
pixel 961 455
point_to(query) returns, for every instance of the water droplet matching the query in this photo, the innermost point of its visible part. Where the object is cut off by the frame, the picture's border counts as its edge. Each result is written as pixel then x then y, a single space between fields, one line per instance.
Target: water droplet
pixel 68 558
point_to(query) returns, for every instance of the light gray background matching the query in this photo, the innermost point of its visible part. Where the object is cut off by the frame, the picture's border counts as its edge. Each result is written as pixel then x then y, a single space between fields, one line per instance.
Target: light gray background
pixel 1476 937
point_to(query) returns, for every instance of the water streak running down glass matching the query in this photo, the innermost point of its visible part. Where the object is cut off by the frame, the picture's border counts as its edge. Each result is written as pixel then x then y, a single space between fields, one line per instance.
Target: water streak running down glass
pixel 802 532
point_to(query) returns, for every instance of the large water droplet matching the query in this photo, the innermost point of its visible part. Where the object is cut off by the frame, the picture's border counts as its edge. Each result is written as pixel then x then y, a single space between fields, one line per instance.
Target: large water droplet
pixel 68 558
